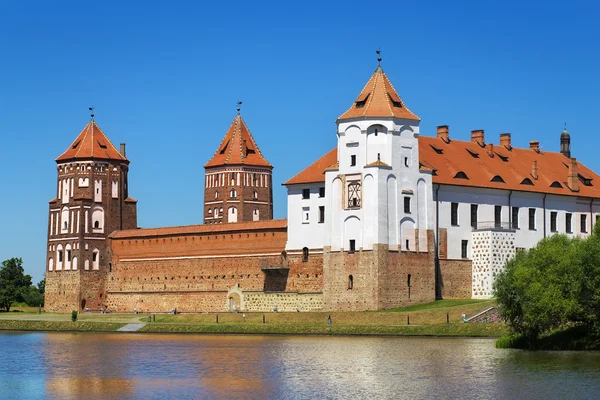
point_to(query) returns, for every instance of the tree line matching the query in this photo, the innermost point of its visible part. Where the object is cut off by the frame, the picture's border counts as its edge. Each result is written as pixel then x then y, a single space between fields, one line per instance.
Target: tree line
pixel 16 286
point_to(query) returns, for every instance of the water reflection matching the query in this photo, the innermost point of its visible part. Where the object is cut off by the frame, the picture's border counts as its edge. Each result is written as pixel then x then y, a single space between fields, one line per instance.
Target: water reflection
pixel 131 366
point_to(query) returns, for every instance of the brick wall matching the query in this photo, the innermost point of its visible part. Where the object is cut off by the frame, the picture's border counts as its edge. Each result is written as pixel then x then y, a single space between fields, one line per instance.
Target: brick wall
pixel 192 271
pixel 456 279
pixel 62 291
pixel 287 302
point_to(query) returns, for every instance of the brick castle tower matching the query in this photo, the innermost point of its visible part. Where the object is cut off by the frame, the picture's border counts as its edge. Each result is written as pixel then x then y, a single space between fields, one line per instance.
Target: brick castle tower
pixel 238 182
pixel 92 201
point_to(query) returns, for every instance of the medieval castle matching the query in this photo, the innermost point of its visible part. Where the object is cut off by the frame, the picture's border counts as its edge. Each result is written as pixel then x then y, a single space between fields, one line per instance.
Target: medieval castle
pixel 386 219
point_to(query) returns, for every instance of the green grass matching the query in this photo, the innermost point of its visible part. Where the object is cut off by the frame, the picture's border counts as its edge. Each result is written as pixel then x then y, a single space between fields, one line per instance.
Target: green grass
pixel 60 326
pixel 425 319
pixel 445 304
pixel 455 329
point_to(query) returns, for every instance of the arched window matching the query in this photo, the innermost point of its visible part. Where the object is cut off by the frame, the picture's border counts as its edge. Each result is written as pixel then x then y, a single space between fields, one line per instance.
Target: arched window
pixel 255 194
pixel 98 219
pixel 283 255
pixel 216 194
pixel 65 219
pixel 50 264
pixel 305 254
pixel 216 212
pixel 68 256
pixel 233 193
pixel 96 259
pixel 350 282
pixel 59 257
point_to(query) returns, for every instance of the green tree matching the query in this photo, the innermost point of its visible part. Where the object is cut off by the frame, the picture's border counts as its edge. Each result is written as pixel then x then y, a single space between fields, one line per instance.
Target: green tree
pixel 13 282
pixel 42 285
pixel 553 285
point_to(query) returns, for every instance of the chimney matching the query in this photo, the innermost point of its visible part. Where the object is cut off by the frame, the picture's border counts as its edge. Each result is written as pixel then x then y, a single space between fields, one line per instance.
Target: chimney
pixel 573 179
pixel 534 170
pixel 489 149
pixel 505 140
pixel 122 151
pixel 477 137
pixel 443 132
pixel 534 145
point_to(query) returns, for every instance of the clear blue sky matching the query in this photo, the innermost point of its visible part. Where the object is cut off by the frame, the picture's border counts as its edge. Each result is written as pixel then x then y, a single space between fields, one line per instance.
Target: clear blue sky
pixel 165 76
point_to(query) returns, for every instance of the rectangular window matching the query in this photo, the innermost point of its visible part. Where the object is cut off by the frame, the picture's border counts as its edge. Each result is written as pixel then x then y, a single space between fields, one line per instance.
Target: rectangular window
pixel 407 205
pixel 68 255
pixel 406 161
pixel 352 160
pixel 60 256
pixel 321 214
pixel 474 216
pixel 305 215
pixel 553 215
pixel 352 246
pixel 454 214
pixel 515 217
pixel 464 245
pixel 305 193
pixel 583 223
pixel 498 216
pixel 321 192
pixel 568 220
pixel 532 219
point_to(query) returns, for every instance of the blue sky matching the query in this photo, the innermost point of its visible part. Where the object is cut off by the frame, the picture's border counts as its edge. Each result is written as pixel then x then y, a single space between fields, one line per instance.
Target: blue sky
pixel 164 77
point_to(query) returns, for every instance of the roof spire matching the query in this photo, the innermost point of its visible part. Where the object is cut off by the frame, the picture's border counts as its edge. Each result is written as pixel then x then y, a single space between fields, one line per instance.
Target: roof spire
pixel 92 112
pixel 239 107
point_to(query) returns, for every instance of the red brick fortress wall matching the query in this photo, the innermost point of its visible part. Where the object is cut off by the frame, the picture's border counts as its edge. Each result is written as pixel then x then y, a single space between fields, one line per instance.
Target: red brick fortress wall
pixel 192 268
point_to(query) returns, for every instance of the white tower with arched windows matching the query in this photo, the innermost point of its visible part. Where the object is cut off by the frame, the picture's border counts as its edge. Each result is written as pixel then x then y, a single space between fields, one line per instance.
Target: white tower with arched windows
pixel 379 194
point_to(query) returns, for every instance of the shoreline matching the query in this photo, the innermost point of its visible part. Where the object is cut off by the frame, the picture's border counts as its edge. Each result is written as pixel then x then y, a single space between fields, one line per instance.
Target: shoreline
pixel 451 330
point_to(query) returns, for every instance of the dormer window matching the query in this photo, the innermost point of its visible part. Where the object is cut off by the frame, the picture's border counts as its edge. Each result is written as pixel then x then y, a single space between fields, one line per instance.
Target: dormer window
pixel 102 144
pixel 362 101
pixel 503 158
pixel 498 179
pixel 437 149
pixel 76 144
pixel 395 100
pixel 474 154
pixel 461 175
pixel 556 184
pixel 527 181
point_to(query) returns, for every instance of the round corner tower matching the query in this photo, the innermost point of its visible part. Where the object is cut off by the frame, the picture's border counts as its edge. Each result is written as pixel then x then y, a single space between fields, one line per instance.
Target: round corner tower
pixel 91 202
pixel 238 185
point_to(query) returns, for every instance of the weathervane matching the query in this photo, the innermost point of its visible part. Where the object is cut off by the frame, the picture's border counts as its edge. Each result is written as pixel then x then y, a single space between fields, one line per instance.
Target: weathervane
pixel 239 106
pixel 378 51
pixel 92 111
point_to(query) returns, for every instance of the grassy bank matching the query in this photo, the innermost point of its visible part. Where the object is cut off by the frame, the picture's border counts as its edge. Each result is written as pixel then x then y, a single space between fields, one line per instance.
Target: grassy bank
pixel 454 329
pixel 423 319
pixel 58 326
pixel 570 338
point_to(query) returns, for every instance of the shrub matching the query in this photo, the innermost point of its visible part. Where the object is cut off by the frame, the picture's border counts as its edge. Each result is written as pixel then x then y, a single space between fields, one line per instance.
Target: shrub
pixel 73 315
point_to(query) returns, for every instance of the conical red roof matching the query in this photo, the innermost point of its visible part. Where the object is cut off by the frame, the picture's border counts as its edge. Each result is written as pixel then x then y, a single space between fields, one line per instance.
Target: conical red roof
pixel 378 99
pixel 238 148
pixel 91 143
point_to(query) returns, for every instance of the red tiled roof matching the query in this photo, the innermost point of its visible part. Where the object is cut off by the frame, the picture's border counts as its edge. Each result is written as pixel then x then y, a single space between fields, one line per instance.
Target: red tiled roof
pixel 512 166
pixel 378 99
pixel 238 147
pixel 91 143
pixel 200 229
pixel 316 171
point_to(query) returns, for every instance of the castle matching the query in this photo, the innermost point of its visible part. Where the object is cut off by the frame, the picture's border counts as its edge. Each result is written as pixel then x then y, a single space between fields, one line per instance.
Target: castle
pixel 386 219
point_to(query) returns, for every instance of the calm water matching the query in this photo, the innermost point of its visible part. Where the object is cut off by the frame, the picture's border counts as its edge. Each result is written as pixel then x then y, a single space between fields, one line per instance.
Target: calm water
pixel 136 366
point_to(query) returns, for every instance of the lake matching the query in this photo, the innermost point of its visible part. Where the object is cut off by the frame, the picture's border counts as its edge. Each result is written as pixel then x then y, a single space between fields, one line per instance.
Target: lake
pixel 149 366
